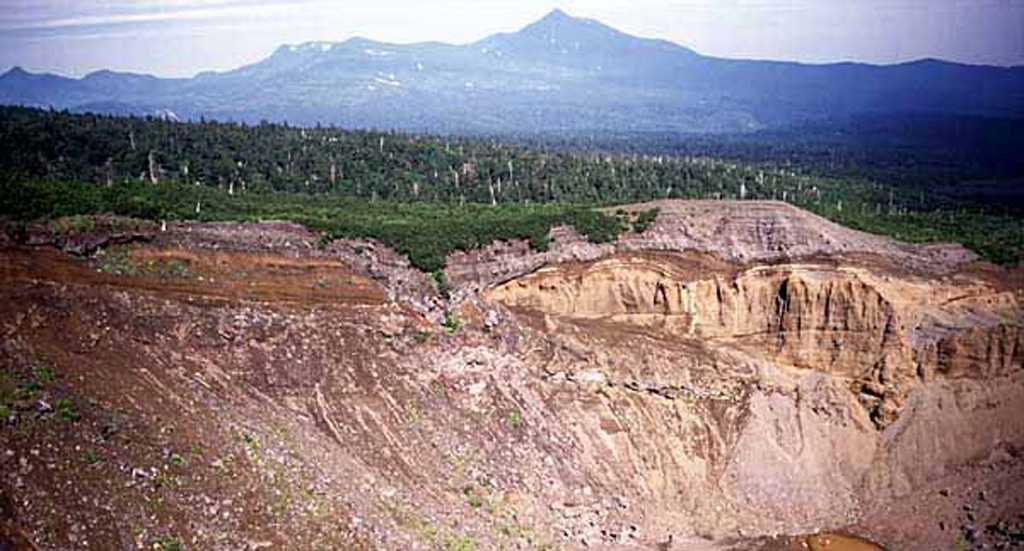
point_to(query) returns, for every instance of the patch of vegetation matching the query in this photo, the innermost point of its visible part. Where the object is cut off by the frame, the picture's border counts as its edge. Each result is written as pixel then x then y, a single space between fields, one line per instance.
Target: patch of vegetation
pixel 252 442
pixel 514 420
pixel 67 410
pixel 73 225
pixel 175 268
pixel 8 387
pixel 93 457
pixel 167 543
pixel 445 539
pixel 29 391
pixel 438 389
pixel 176 459
pixel 515 530
pixel 645 220
pixel 26 387
pixel 451 322
pixel 473 497
pixel 440 282
pixel 119 261
pixel 414 410
pixel 45 373
pixel 323 241
pixel 458 542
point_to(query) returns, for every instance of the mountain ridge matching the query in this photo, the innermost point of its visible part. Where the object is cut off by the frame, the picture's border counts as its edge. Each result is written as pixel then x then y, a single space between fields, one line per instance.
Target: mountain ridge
pixel 556 15
pixel 559 73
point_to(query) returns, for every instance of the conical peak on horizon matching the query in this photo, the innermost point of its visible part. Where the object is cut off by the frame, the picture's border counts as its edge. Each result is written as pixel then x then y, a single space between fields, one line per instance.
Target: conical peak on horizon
pixel 556 20
pixel 558 16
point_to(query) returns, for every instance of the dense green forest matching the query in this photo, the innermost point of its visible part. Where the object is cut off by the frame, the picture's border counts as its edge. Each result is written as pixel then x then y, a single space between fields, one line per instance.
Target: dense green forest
pixel 59 146
pixel 425 195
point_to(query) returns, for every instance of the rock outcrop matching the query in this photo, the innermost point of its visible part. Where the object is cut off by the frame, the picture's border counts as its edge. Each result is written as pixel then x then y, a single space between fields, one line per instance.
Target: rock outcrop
pixel 878 330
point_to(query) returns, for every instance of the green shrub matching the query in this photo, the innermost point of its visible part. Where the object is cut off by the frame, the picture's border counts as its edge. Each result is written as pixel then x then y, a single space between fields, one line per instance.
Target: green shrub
pixel 73 225
pixel 453 542
pixel 645 220
pixel 67 410
pixel 167 543
pixel 514 419
pixel 437 277
pixel 473 497
pixel 451 322
pixel 45 373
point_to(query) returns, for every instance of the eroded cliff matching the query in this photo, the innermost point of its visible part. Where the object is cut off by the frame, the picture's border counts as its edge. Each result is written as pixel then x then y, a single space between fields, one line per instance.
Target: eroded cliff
pixel 878 329
pixel 237 387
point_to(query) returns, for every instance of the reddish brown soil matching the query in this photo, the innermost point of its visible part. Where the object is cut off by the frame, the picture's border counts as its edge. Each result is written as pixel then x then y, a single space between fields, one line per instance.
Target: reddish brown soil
pixel 139 465
pixel 229 276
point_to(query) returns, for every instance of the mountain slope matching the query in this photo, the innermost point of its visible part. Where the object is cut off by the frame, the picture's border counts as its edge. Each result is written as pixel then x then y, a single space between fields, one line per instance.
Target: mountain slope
pixel 558 74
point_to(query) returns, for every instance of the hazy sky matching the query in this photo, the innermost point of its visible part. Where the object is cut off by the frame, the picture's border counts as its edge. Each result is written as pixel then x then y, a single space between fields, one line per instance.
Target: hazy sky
pixel 182 37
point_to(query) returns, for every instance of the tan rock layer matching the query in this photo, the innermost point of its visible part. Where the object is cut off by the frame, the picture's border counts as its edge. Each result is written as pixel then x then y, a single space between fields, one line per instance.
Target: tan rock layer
pixel 877 330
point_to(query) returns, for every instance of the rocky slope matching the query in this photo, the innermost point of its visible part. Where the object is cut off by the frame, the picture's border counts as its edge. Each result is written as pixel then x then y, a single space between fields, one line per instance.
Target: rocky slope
pixel 737 374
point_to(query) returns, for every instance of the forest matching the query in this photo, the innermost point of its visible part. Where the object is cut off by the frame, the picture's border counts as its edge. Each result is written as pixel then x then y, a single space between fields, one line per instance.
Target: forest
pixel 931 153
pixel 429 195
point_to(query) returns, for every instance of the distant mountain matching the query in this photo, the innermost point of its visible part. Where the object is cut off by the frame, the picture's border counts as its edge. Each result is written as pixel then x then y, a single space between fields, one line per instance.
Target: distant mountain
pixel 559 74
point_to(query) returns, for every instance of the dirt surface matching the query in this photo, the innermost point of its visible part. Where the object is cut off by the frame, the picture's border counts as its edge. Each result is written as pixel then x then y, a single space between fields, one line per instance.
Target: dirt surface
pixel 240 386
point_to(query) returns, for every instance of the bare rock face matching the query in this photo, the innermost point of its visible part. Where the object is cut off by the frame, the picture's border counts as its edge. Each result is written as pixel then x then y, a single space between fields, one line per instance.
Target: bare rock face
pixel 814 317
pixel 850 322
pixel 766 231
pixel 985 352
pixel 739 372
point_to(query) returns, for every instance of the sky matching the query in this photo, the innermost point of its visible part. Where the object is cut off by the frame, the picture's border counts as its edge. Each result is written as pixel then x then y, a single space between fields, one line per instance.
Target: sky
pixel 177 38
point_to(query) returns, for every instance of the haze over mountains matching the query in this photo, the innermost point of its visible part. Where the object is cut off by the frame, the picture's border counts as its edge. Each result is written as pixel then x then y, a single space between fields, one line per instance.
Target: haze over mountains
pixel 559 74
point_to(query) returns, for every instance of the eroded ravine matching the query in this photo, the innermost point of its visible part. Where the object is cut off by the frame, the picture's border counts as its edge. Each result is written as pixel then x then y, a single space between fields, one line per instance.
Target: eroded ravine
pixel 625 400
